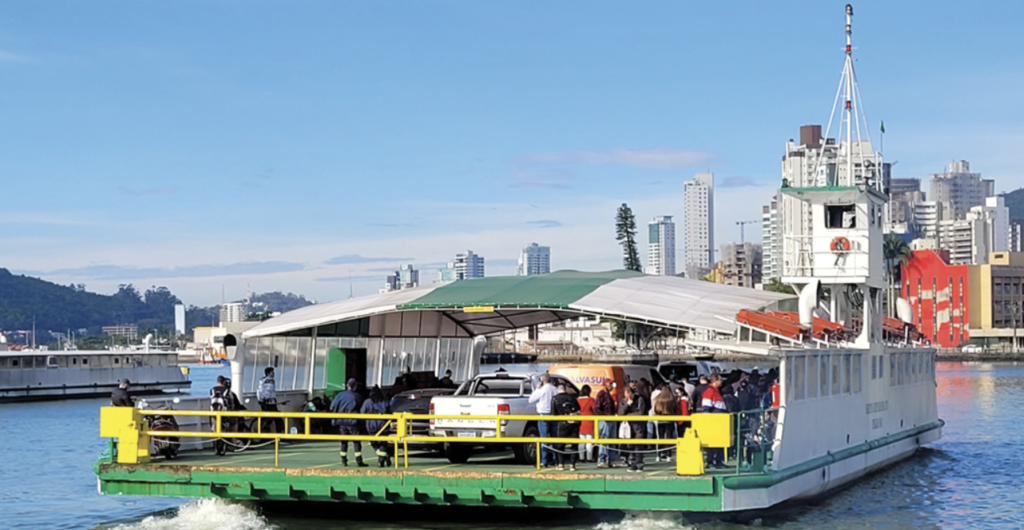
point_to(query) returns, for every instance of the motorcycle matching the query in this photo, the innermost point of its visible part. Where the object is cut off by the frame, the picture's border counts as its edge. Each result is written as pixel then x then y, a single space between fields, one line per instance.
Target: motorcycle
pixel 164 446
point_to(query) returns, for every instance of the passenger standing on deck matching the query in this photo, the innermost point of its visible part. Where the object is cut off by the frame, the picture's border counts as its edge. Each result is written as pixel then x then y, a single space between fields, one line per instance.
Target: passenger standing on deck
pixel 664 404
pixel 604 405
pixel 266 395
pixel 119 397
pixel 565 404
pixel 587 427
pixel 712 402
pixel 698 394
pixel 348 402
pixel 636 405
pixel 378 404
pixel 542 396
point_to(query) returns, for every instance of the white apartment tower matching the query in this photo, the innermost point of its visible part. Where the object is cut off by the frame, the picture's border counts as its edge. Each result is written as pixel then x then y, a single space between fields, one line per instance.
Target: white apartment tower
pixel 534 259
pixel 661 246
pixel 699 223
pixel 771 238
pixel 468 266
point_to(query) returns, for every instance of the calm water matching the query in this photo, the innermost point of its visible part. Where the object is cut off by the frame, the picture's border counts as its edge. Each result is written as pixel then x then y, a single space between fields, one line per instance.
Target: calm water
pixel 972 478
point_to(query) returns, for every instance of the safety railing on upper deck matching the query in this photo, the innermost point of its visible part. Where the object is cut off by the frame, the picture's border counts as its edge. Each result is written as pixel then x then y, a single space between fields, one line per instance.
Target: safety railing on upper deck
pixel 746 437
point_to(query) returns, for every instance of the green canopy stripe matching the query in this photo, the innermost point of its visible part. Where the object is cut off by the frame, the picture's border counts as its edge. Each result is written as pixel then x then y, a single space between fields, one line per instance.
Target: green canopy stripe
pixel 555 290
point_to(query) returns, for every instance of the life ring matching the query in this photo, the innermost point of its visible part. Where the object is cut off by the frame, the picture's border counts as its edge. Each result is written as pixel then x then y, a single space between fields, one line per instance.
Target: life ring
pixel 840 245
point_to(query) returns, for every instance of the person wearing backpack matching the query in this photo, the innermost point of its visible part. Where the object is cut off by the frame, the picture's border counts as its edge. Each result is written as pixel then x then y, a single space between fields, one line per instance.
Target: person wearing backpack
pixel 266 395
pixel 378 404
pixel 565 404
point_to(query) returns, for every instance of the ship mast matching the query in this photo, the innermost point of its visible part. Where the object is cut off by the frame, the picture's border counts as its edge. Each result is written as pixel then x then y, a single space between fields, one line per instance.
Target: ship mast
pixel 852 124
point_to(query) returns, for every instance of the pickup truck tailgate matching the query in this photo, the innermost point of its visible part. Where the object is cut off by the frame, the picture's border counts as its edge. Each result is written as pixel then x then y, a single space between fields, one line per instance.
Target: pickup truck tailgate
pixel 473 406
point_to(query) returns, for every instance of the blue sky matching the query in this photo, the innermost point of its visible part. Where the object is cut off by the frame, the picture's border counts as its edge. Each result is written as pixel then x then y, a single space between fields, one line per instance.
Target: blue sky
pixel 291 145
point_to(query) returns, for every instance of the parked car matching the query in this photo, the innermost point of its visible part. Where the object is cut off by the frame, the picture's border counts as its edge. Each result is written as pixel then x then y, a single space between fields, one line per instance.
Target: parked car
pixel 490 395
pixel 679 371
pixel 417 402
pixel 972 348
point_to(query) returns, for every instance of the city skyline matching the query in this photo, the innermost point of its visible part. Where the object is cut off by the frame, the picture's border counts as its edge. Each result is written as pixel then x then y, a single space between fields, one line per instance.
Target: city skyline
pixel 169 146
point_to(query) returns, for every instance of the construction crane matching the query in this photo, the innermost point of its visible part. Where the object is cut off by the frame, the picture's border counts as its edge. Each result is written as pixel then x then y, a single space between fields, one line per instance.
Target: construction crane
pixel 741 225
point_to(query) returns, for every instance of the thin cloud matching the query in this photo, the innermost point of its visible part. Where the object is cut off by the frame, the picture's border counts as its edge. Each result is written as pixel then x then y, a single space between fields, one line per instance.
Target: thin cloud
pixel 147 192
pixel 655 157
pixel 545 223
pixel 545 179
pixel 502 262
pixel 123 273
pixel 257 181
pixel 9 57
pixel 349 259
pixel 737 181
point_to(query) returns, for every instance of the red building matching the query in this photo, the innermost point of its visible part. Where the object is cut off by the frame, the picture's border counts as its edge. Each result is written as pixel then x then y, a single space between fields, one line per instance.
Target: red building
pixel 938 293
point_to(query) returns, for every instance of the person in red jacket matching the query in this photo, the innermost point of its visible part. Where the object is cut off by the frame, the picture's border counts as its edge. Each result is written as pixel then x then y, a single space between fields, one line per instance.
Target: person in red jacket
pixel 712 402
pixel 586 427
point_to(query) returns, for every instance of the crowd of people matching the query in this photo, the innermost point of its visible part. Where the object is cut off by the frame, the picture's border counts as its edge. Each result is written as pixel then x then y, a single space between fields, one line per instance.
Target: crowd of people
pixel 643 404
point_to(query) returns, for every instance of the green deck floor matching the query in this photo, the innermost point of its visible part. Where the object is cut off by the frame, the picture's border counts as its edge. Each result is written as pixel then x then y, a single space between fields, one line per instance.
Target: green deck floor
pixel 325 455
pixel 312 471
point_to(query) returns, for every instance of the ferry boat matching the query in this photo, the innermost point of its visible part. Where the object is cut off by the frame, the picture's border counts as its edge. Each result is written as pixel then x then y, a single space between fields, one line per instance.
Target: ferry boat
pixel 37 375
pixel 856 389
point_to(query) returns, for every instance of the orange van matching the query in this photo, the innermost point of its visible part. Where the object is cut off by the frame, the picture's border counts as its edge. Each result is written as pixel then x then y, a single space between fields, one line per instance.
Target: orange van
pixel 595 374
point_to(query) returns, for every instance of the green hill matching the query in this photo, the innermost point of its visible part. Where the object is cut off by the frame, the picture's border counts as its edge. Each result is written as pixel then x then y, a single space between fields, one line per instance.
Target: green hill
pixel 60 308
pixel 1015 202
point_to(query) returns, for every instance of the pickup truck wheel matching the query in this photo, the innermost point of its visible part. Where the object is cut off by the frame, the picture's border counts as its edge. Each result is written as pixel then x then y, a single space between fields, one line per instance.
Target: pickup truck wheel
pixel 527 453
pixel 457 453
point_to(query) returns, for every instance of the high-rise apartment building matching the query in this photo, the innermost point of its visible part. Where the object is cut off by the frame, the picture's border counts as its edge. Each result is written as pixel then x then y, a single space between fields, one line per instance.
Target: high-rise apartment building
pixel 661 246
pixel 232 312
pixel 699 222
pixel 534 259
pixel 468 266
pixel 771 238
pixel 960 190
pixel 741 264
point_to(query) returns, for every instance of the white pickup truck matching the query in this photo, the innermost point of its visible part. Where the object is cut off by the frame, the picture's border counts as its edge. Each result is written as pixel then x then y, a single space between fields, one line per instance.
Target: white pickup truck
pixel 489 395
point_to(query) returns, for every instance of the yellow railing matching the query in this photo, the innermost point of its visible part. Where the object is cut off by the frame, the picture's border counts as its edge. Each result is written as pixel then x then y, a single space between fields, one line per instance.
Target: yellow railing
pixel 128 425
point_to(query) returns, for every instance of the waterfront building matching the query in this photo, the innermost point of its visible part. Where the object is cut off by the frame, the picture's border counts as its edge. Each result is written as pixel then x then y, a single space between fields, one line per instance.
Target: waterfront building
pixel 699 224
pixel 661 246
pixel 446 273
pixel 959 189
pixel 741 264
pixel 771 238
pixel 129 331
pixel 997 299
pixel 939 294
pixel 232 312
pixel 534 259
pixel 406 277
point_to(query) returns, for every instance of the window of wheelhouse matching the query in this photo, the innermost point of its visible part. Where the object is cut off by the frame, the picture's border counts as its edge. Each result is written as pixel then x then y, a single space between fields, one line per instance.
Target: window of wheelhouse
pixel 840 216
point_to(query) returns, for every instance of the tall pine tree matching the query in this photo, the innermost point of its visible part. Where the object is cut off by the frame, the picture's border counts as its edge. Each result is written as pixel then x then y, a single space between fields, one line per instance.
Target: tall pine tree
pixel 625 234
